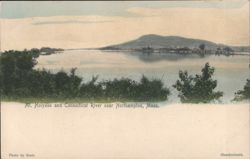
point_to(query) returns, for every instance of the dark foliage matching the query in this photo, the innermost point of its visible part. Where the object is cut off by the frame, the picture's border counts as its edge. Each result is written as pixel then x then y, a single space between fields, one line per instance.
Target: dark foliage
pixel 15 67
pixel 91 89
pixel 18 79
pixel 202 46
pixel 198 89
pixel 145 90
pixel 243 94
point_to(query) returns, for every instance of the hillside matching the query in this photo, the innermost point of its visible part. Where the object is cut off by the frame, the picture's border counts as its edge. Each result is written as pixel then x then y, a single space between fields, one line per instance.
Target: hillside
pixel 157 41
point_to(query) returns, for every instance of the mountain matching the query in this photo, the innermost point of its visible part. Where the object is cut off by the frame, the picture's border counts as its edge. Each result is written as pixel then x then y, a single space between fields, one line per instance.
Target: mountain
pixel 157 41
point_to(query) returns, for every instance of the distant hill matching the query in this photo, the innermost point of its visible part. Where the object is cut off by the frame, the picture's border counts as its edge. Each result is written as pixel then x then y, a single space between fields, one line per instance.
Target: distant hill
pixel 157 41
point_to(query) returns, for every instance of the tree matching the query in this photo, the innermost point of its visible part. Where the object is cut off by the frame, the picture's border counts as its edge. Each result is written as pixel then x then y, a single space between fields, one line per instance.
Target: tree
pixel 119 88
pixel 202 47
pixel 145 90
pixel 8 67
pixel 152 89
pixel 1 81
pixel 75 83
pixel 41 83
pixel 218 51
pixel 243 94
pixel 198 89
pixel 91 89
pixel 62 81
pixel 228 50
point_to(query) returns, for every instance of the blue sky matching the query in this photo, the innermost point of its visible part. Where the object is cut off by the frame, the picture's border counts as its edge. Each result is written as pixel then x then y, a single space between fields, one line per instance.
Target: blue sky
pixel 25 9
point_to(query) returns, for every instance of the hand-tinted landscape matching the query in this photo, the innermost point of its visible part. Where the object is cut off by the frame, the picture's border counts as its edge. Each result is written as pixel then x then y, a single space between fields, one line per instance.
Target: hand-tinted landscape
pixel 125 79
pixel 143 54
pixel 142 74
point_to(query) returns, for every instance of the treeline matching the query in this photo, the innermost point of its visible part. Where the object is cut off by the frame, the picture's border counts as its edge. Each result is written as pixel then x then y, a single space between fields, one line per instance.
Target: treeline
pixel 46 50
pixel 18 80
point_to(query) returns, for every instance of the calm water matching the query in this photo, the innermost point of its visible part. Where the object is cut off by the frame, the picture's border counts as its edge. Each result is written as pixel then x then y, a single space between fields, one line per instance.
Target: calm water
pixel 231 72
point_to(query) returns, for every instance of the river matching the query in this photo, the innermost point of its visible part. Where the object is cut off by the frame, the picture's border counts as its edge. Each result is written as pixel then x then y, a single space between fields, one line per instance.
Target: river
pixel 231 72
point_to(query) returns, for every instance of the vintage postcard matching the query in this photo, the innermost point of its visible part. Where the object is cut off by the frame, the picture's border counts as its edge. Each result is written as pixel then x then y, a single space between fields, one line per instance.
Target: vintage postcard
pixel 125 79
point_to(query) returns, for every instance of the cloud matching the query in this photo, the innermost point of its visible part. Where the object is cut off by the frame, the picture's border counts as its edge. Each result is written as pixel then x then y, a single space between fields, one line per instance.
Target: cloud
pixel 69 22
pixel 25 9
pixel 229 26
pixel 147 11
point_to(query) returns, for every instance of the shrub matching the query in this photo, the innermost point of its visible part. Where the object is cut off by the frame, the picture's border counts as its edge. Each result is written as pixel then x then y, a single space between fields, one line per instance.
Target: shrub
pixel 198 89
pixel 243 94
pixel 91 89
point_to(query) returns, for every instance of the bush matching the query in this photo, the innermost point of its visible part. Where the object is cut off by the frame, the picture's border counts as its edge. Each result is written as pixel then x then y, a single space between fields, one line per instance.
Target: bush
pixel 198 89
pixel 22 92
pixel 152 89
pixel 145 90
pixel 118 89
pixel 91 89
pixel 243 94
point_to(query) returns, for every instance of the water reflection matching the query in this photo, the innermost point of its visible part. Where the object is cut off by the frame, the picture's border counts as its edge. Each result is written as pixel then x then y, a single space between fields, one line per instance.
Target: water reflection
pixel 155 57
pixel 230 72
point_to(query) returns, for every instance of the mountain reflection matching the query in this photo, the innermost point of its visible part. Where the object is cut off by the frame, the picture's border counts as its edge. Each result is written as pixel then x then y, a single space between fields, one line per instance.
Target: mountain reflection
pixel 156 57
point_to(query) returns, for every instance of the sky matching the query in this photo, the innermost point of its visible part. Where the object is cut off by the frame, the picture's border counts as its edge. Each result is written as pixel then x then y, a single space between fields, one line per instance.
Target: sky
pixel 85 24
